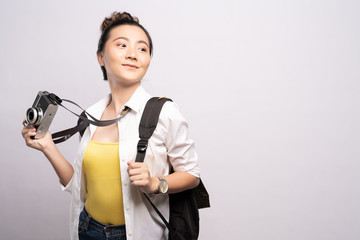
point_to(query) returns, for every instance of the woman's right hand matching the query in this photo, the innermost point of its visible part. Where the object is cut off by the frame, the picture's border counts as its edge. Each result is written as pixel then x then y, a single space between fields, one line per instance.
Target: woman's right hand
pixel 41 144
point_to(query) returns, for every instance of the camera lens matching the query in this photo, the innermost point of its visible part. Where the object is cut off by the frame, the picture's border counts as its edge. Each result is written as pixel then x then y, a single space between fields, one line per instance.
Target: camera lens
pixel 34 116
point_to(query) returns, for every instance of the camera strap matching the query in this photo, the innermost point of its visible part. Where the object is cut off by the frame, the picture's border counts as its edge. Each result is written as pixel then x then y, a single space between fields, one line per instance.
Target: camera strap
pixel 83 122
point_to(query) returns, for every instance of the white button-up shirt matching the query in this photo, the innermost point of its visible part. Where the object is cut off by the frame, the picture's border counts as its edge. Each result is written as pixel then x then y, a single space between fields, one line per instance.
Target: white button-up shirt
pixel 169 144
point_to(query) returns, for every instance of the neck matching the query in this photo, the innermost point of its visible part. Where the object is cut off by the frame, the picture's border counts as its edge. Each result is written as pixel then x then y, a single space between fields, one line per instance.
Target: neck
pixel 120 95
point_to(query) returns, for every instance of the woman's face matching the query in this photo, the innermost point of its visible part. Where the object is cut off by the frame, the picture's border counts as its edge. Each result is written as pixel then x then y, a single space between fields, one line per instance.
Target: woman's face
pixel 126 55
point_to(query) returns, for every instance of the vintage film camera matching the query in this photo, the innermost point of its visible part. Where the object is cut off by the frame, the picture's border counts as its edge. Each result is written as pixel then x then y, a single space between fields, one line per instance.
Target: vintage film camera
pixel 42 112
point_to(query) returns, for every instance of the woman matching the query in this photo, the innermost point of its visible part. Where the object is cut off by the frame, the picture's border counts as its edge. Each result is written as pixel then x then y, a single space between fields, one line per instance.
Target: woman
pixel 105 182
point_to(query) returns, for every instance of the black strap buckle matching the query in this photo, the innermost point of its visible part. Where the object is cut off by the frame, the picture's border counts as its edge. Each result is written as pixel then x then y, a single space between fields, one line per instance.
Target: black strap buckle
pixel 142 145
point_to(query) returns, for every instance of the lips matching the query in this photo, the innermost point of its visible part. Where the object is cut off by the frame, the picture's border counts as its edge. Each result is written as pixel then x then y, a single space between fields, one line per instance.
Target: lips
pixel 130 66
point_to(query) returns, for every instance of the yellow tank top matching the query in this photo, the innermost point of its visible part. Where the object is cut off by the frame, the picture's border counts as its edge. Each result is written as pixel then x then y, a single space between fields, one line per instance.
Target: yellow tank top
pixel 104 200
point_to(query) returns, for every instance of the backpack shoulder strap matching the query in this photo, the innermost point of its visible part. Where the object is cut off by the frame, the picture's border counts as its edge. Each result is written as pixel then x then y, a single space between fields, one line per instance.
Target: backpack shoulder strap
pixel 148 123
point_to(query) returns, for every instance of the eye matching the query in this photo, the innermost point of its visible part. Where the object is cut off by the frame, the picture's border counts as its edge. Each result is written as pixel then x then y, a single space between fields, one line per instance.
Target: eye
pixel 143 49
pixel 122 45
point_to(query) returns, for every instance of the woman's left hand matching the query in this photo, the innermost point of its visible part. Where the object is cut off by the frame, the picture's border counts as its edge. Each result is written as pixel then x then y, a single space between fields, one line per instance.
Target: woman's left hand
pixel 140 176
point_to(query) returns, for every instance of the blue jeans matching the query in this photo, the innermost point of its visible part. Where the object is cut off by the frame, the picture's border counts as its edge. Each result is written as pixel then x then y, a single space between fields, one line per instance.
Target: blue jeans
pixel 90 229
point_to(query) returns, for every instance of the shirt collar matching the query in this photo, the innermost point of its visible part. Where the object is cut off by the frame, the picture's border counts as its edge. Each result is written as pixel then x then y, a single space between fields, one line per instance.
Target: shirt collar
pixel 137 99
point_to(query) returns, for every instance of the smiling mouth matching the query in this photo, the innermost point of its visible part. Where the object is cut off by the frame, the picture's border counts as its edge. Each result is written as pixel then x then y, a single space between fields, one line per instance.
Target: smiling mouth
pixel 130 66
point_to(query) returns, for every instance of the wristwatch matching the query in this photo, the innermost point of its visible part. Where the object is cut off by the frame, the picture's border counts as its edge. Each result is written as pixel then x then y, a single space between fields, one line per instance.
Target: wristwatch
pixel 163 186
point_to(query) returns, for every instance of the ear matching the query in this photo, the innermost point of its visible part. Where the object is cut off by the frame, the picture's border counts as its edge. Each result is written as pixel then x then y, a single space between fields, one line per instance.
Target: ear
pixel 100 59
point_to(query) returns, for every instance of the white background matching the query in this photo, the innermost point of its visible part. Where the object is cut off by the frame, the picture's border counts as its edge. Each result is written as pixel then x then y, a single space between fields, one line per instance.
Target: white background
pixel 270 89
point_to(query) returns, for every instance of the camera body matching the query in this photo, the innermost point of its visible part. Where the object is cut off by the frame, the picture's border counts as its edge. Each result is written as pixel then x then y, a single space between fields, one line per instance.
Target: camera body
pixel 42 112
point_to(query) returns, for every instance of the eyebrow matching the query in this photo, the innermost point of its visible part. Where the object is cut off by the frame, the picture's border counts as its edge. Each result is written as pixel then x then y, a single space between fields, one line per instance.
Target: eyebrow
pixel 140 41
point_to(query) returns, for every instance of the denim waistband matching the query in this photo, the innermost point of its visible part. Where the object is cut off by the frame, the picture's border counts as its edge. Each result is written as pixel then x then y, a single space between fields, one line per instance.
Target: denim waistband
pixel 102 227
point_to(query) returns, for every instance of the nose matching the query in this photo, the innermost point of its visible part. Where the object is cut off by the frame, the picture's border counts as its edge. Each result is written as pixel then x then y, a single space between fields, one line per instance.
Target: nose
pixel 131 53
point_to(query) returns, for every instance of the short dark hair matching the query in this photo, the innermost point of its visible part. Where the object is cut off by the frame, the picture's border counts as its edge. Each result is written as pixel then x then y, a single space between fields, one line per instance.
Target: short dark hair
pixel 114 20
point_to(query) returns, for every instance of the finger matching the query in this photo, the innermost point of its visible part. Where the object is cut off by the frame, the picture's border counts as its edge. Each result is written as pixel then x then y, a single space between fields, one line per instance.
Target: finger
pixel 136 178
pixel 140 182
pixel 27 130
pixel 135 171
pixel 28 136
pixel 133 164
pixel 28 140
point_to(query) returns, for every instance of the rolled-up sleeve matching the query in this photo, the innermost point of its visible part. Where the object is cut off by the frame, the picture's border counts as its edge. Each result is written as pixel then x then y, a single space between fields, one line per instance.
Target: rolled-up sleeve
pixel 68 187
pixel 180 148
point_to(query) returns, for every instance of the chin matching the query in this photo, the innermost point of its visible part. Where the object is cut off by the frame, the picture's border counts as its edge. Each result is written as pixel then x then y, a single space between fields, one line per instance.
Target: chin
pixel 126 82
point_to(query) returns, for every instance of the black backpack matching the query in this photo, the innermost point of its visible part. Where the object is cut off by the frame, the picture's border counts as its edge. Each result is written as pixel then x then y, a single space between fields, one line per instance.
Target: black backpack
pixel 184 213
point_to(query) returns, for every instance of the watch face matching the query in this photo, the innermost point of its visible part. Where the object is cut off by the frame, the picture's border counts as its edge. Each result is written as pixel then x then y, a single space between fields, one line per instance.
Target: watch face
pixel 163 187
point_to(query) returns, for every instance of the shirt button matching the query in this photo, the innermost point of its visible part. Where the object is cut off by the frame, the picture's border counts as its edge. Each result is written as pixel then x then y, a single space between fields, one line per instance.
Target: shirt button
pixel 130 234
pixel 123 159
pixel 125 184
pixel 127 208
